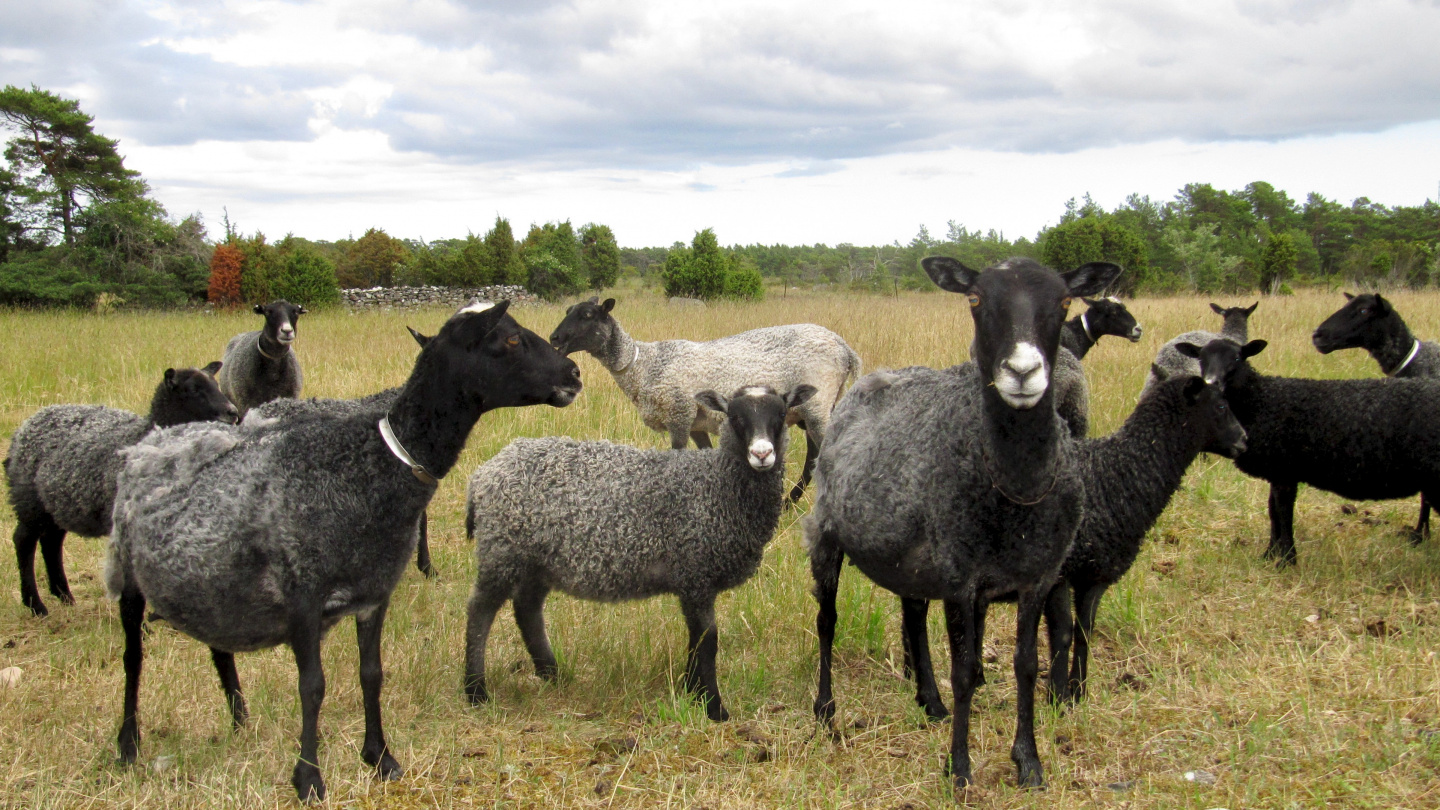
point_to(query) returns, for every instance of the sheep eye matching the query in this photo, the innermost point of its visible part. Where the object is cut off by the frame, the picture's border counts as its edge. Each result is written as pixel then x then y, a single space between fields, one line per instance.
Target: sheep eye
pixel 1065 304
pixel 513 340
pixel 974 300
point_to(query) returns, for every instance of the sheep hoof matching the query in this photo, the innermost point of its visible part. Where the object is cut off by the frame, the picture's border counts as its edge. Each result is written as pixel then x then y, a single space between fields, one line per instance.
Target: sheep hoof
pixel 387 769
pixel 716 711
pixel 934 712
pixel 309 786
pixel 1030 777
pixel 1416 536
pixel 37 608
pixel 475 692
pixel 824 710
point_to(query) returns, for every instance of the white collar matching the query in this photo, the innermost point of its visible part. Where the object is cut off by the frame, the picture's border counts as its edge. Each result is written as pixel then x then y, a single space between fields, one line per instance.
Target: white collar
pixel 632 360
pixel 1414 350
pixel 1085 324
pixel 393 443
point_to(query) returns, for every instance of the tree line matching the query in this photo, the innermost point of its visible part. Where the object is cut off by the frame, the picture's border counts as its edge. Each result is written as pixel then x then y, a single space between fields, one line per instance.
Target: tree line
pixel 77 228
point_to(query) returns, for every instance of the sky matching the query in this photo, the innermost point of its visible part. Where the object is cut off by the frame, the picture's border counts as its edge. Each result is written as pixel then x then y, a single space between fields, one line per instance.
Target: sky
pixel 771 122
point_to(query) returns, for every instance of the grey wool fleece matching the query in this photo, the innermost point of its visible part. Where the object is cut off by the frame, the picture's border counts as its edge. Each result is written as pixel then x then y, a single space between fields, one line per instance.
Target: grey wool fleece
pixel 249 378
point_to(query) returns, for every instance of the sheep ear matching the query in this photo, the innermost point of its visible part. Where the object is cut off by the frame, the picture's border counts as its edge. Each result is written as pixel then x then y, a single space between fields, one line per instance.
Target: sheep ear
pixel 1382 307
pixel 608 305
pixel 170 376
pixel 712 401
pixel 594 299
pixel 212 369
pixel 1250 310
pixel 1089 302
pixel 299 310
pixel 477 324
pixel 1092 278
pixel 799 396
pixel 1188 349
pixel 419 338
pixel 1348 296
pixel 1219 310
pixel 1161 375
pixel 1193 387
pixel 259 309
pixel 949 274
pixel 1252 348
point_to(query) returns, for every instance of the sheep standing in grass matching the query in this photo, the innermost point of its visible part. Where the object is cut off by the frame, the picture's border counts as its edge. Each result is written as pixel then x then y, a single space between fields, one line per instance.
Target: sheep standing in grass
pixel 1361 439
pixel 260 366
pixel 1370 322
pixel 1129 478
pixel 961 485
pixel 1104 316
pixel 610 522
pixel 1235 328
pixel 271 532
pixel 663 378
pixel 63 462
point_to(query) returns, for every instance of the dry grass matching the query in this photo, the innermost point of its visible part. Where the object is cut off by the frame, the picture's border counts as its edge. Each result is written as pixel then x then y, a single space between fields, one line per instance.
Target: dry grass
pixel 1301 688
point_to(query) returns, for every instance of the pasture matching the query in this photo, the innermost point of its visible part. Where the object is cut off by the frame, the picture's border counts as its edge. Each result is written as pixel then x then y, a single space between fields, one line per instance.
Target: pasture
pixel 1312 686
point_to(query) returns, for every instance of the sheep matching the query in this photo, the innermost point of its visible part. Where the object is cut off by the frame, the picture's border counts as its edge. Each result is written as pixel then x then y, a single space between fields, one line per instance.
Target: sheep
pixel 610 522
pixel 1361 439
pixel 663 378
pixel 1370 322
pixel 961 485
pixel 261 366
pixel 1104 316
pixel 273 531
pixel 1129 477
pixel 1236 329
pixel 63 462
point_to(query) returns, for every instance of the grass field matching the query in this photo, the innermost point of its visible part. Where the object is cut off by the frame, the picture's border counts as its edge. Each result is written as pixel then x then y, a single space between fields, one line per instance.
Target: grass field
pixel 1309 687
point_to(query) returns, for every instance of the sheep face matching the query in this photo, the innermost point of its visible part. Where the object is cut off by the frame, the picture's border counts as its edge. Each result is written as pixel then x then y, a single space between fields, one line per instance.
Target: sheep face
pixel 587 327
pixel 1108 316
pixel 755 421
pixel 1019 307
pixel 499 363
pixel 1356 325
pixel 1221 360
pixel 191 395
pixel 281 317
pixel 1222 432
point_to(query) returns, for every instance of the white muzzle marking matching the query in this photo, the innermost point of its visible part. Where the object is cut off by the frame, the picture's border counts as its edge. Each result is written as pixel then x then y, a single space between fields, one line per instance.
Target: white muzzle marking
pixel 762 454
pixel 287 332
pixel 1021 378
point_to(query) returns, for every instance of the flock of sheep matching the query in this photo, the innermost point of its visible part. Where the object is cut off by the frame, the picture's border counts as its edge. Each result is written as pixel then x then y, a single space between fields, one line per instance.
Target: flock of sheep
pixel 246 517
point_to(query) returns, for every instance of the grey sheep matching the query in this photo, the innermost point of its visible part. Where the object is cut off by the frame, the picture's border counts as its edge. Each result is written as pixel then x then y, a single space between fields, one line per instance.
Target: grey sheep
pixel 272 532
pixel 663 378
pixel 63 462
pixel 1235 328
pixel 961 485
pixel 610 522
pixel 261 366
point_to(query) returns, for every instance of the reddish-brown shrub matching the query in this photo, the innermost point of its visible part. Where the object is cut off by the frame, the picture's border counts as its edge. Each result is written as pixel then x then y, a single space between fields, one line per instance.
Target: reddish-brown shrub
pixel 225 276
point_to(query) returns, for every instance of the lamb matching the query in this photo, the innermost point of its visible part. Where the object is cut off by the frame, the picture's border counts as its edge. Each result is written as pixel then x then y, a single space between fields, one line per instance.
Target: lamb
pixel 1129 477
pixel 663 378
pixel 610 522
pixel 1236 329
pixel 1361 439
pixel 261 366
pixel 272 532
pixel 63 463
pixel 1105 316
pixel 961 485
pixel 1370 322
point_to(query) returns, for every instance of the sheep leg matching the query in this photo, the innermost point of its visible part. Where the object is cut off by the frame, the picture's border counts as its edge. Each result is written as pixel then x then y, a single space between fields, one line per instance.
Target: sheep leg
pixel 529 606
pixel 305 643
pixel 1282 523
pixel 422 546
pixel 812 451
pixel 1060 630
pixel 230 682
pixel 680 437
pixel 1422 526
pixel 52 548
pixel 701 439
pixel 916 639
pixel 964 671
pixel 480 615
pixel 825 562
pixel 132 616
pixel 372 677
pixel 27 537
pixel 700 658
pixel 1087 604
pixel 1023 752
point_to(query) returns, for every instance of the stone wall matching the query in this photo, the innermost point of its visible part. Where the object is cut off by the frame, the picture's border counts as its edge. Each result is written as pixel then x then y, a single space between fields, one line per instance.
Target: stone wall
pixel 416 297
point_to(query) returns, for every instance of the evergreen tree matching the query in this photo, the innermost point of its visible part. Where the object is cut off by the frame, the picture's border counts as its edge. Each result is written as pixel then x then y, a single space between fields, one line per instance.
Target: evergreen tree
pixel 600 256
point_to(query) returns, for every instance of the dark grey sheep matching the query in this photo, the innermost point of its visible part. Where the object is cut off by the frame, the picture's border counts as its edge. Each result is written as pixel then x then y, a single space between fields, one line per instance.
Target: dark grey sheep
pixel 961 485
pixel 63 462
pixel 271 532
pixel 610 522
pixel 1370 322
pixel 663 378
pixel 261 366
pixel 1235 328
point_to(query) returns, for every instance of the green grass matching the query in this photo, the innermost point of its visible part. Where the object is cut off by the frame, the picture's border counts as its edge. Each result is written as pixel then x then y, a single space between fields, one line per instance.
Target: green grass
pixel 1282 684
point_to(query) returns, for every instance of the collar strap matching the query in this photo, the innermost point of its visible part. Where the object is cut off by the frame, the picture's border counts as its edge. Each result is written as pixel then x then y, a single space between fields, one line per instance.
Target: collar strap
pixel 262 351
pixel 1085 324
pixel 632 360
pixel 1414 350
pixel 393 443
